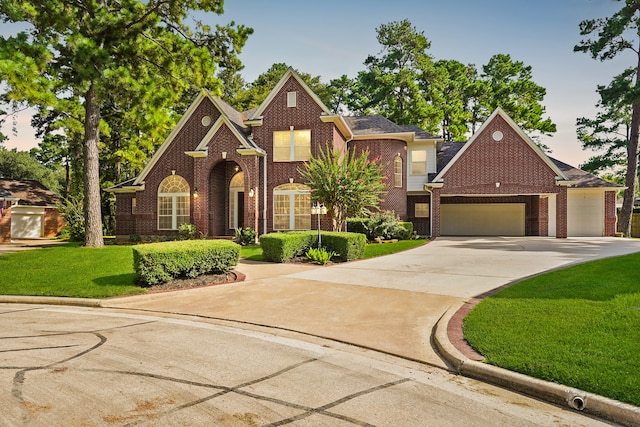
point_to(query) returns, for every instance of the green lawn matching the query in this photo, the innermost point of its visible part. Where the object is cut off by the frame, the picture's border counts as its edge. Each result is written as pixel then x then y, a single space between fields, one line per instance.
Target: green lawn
pixel 378 249
pixel 579 327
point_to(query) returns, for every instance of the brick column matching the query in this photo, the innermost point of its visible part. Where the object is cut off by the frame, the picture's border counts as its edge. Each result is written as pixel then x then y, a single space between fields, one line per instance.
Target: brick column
pixel 200 203
pixel 543 216
pixel 561 213
pixel 610 217
pixel 435 213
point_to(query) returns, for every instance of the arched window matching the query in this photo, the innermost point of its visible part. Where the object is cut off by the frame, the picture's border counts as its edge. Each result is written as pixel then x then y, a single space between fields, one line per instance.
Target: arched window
pixel 291 207
pixel 173 203
pixel 397 172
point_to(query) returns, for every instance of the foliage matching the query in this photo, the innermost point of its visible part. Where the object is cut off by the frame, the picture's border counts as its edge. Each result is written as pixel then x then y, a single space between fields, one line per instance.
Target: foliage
pixel 245 236
pixel 348 246
pixel 576 327
pixel 357 225
pixel 69 270
pixel 615 35
pixel 160 262
pixel 282 247
pixel 320 256
pixel 108 60
pixel 393 83
pixel 347 184
pixel 385 226
pixel 72 212
pixel 187 231
pixel 252 95
pixel 20 165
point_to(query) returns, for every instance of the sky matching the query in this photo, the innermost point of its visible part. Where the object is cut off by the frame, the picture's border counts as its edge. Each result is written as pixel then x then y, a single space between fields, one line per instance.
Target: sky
pixel 334 37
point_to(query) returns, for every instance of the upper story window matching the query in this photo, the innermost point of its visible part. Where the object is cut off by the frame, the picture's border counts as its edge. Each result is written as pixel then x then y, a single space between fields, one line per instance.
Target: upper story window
pixel 173 203
pixel 291 145
pixel 419 162
pixel 397 172
pixel 292 99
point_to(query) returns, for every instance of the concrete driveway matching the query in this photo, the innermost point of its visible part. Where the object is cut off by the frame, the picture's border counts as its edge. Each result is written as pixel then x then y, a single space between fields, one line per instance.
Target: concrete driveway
pixel 389 304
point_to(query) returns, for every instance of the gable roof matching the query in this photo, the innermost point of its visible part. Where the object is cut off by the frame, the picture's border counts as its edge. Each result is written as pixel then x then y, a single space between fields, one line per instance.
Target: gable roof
pixel 500 112
pixel 27 193
pixel 578 177
pixel 290 73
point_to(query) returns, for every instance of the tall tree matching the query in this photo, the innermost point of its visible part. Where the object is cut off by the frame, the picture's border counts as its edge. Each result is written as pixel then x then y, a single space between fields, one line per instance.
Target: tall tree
pixel 508 84
pixel 21 165
pixel 614 35
pixel 92 49
pixel 393 84
pixel 451 93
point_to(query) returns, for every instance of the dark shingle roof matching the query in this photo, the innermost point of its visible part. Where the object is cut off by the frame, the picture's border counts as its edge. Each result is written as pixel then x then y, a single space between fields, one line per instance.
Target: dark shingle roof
pixel 371 125
pixel 29 193
pixel 582 178
pixel 420 133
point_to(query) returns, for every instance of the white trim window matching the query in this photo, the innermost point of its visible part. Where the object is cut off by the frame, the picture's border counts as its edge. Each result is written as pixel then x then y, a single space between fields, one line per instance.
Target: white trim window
pixel 292 145
pixel 292 99
pixel 291 207
pixel 397 172
pixel 173 203
pixel 419 162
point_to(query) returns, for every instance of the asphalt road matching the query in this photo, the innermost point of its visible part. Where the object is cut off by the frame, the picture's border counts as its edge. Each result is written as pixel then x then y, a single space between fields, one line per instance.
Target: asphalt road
pixel 77 366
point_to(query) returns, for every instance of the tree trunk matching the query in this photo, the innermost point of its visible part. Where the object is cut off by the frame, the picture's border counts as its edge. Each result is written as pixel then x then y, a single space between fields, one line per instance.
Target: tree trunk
pixel 626 213
pixel 92 206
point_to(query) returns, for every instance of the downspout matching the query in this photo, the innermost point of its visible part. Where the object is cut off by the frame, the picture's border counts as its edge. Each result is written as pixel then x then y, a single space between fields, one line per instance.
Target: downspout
pixel 264 194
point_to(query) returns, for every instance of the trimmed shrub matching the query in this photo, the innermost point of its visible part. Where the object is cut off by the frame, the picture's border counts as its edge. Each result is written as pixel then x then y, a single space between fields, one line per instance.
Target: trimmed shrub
pixel 161 262
pixel 407 226
pixel 357 225
pixel 245 236
pixel 385 226
pixel 348 246
pixel 187 231
pixel 281 247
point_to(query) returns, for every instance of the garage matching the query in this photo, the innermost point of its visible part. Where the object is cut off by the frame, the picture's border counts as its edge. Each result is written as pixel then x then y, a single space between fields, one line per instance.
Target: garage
pixel 486 219
pixel 585 213
pixel 27 222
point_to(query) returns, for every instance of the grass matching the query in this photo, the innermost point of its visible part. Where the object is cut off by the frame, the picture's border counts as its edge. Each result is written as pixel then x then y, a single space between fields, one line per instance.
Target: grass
pixel 578 327
pixel 69 270
pixel 378 249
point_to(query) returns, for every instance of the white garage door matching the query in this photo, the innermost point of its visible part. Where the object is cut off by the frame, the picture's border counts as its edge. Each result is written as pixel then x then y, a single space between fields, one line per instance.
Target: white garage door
pixel 585 213
pixel 26 222
pixel 489 219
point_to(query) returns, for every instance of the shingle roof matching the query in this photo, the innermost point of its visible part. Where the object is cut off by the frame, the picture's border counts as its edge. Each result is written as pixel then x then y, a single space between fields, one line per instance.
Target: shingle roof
pixel 371 125
pixel 420 133
pixel 124 184
pixel 583 179
pixel 29 193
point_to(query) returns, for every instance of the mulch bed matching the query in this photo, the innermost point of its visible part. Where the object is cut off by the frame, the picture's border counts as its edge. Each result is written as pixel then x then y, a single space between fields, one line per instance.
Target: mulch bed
pixel 198 282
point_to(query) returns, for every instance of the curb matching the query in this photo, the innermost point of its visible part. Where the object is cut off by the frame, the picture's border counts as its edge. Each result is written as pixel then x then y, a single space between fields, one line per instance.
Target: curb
pixel 578 400
pixel 78 302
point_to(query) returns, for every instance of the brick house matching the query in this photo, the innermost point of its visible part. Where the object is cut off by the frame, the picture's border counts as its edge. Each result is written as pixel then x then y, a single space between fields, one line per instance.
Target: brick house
pixel 221 169
pixel 28 211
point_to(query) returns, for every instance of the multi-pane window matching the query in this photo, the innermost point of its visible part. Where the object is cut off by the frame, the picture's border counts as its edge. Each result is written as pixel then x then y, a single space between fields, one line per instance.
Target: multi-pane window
pixel 292 99
pixel 291 207
pixel 173 203
pixel 419 162
pixel 291 145
pixel 422 210
pixel 397 172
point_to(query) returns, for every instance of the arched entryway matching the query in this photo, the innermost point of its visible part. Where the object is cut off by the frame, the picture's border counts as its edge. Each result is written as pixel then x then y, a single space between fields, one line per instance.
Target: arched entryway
pixel 226 199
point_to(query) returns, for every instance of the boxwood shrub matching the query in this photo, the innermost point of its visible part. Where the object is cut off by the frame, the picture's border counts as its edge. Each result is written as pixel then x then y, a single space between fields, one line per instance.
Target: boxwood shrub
pixel 161 262
pixel 282 247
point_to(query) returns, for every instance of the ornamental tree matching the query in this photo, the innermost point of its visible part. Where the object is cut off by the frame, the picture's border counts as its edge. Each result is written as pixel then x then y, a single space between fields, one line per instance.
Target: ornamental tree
pixel 349 185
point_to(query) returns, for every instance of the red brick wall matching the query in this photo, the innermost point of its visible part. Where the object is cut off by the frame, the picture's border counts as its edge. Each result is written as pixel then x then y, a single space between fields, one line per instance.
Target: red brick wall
pixel 53 222
pixel 278 117
pixel 610 217
pixel 387 150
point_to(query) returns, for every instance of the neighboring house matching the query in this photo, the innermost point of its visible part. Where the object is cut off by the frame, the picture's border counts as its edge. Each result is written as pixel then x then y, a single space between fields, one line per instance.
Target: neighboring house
pixel 28 211
pixel 221 169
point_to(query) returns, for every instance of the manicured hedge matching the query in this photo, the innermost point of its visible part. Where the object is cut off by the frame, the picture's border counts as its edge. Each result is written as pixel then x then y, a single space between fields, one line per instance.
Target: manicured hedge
pixel 282 247
pixel 408 226
pixel 161 262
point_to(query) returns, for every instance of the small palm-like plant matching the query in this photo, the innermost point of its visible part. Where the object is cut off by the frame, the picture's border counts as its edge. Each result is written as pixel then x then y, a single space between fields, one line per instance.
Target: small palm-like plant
pixel 320 256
